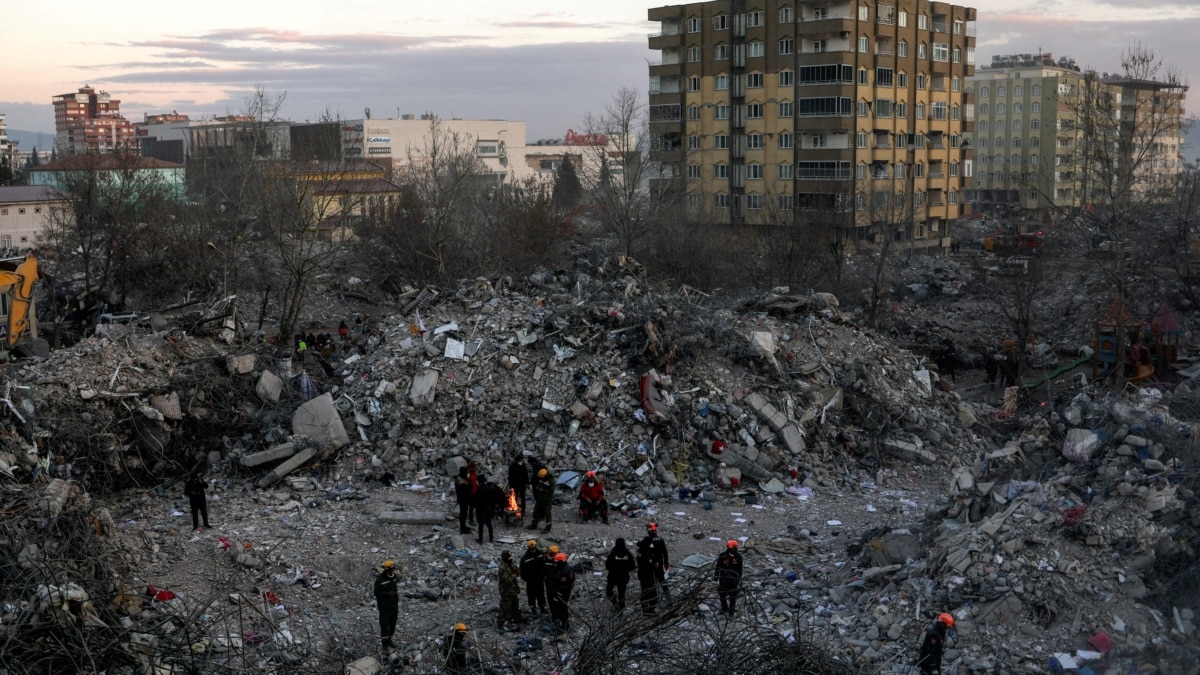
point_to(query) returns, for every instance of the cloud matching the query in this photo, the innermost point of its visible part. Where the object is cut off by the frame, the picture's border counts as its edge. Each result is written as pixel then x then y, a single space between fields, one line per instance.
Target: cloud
pixel 551 24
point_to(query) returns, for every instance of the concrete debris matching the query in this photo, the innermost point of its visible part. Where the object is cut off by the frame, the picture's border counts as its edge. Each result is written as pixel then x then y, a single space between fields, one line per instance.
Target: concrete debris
pixel 318 420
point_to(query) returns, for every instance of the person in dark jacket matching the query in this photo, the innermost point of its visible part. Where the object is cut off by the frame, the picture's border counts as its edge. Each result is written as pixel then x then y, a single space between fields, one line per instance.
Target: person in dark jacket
pixel 728 572
pixel 473 483
pixel 929 660
pixel 510 593
pixel 462 495
pixel 487 500
pixel 531 574
pixel 564 582
pixel 647 578
pixel 620 565
pixel 193 489
pixel 388 601
pixel 659 557
pixel 543 499
pixel 549 569
pixel 518 480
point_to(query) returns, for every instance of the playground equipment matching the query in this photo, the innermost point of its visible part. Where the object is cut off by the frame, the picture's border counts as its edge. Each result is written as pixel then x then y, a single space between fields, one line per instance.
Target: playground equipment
pixel 1138 366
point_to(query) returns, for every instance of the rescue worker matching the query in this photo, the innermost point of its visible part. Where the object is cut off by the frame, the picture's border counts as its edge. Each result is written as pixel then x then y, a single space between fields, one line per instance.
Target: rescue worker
pixel 473 483
pixel 564 582
pixel 929 660
pixel 510 593
pixel 487 500
pixel 592 498
pixel 620 565
pixel 193 489
pixel 531 574
pixel 728 573
pixel 518 481
pixel 543 499
pixel 659 557
pixel 455 648
pixel 549 569
pixel 388 601
pixel 646 578
pixel 462 495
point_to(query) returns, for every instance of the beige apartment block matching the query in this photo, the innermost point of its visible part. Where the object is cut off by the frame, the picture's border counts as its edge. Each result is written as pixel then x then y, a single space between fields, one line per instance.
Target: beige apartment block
pixel 783 112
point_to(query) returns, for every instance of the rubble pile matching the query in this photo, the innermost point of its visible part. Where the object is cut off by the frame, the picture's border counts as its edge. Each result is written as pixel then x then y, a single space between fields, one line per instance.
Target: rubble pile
pixel 867 493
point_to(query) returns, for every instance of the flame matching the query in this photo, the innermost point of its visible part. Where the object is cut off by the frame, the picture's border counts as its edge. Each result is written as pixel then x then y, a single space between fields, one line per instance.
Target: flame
pixel 512 501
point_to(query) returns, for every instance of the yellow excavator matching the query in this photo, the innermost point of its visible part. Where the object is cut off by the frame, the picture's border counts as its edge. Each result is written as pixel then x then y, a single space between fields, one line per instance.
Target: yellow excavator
pixel 19 276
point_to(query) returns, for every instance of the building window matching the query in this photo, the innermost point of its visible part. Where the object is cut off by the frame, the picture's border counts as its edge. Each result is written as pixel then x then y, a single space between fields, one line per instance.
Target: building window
pixel 787 46
pixel 3 212
pixel 721 201
pixel 1016 142
pixel 754 141
pixel 954 112
pixel 1018 91
pixel 1016 125
pixel 860 171
pixel 785 171
pixel 958 26
pixel 694 83
pixel 983 126
pixel 902 19
pixel 721 52
pixel 921 79
pixel 1001 92
pixel 754 19
pixel 983 142
pixel 786 110
pixel 21 211
pixel 902 80
pixel 721 142
pixel 864 108
pixel 861 140
pixel 919 170
pixel 786 16
pixel 1033 159
pixel 785 141
pixel 983 93
pixel 923 22
pixel 754 81
pixel 883 77
pixel 754 111
pixel 721 112
pixel 1035 142
pixel 902 49
pixel 754 202
pixel 721 171
pixel 785 202
pixel 1035 125
pixel 999 108
pixel 953 169
pixel 1001 142
pixel 693 142
pixel 1035 107
pixel 754 171
pixel 883 107
pixel 983 110
pixel 864 14
pixel 902 110
pixel 6 241
pixel 941 51
pixel 721 22
pixel 921 53
pixel 864 45
pixel 787 78
pixel 1016 159
pixel 693 112
pixel 1037 90
pixel 693 25
pixel 721 82
pixel 693 54
pixel 754 50
pixel 820 140
pixel 954 84
pixel 862 77
pixel 920 109
pixel 693 171
pixel 956 55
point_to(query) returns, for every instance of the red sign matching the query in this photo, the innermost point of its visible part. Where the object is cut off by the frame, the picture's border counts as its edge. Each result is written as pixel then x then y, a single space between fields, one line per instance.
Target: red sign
pixel 573 138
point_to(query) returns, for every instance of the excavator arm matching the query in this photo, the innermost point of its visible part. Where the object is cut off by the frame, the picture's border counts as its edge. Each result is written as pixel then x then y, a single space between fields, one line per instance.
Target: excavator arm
pixel 22 280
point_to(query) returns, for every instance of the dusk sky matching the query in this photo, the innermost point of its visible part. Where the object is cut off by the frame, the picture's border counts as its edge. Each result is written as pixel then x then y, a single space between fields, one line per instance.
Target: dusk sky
pixel 547 63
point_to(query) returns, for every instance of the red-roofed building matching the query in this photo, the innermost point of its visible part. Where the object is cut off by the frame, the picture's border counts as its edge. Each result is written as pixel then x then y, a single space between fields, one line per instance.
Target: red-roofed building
pixel 115 168
pixel 90 121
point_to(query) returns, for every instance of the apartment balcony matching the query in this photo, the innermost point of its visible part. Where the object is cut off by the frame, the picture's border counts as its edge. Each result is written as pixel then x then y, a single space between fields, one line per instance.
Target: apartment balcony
pixel 666 68
pixel 663 40
pixel 882 144
pixel 668 13
pixel 830 24
pixel 824 122
pixel 823 175
pixel 940 27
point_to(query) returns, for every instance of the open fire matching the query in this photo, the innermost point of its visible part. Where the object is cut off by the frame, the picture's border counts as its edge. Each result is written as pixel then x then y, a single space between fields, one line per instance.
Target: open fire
pixel 513 509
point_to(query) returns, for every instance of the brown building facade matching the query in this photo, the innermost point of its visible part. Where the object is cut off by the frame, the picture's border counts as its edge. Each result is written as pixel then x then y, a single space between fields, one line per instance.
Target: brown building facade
pixel 778 111
pixel 90 121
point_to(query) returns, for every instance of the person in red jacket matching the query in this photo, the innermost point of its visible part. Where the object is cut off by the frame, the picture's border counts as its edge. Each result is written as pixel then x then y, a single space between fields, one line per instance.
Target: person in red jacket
pixel 591 498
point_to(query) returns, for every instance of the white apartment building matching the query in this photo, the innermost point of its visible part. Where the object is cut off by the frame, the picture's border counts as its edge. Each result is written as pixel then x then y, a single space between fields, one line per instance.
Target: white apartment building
pixel 25 211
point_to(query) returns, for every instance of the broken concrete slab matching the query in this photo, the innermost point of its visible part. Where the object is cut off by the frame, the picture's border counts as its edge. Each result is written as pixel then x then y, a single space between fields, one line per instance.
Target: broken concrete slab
pixel 240 364
pixel 168 405
pixel 415 517
pixel 269 386
pixel 793 439
pixel 367 665
pixel 766 412
pixel 296 461
pixel 910 451
pixel 318 419
pixel 423 388
pixel 273 454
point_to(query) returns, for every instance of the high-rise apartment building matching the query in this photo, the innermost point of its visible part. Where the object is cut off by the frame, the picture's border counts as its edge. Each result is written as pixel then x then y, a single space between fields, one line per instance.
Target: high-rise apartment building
pixel 782 111
pixel 8 148
pixel 1041 123
pixel 90 121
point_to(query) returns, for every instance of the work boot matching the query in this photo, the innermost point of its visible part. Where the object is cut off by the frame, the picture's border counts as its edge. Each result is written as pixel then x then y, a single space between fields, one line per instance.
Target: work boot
pixel 533 525
pixel 546 529
pixel 604 519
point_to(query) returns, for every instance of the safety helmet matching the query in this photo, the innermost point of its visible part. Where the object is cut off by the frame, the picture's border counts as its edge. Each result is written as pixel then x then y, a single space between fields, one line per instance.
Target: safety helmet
pixel 388 564
pixel 732 543
pixel 591 474
pixel 532 543
pixel 553 549
pixel 542 473
pixel 946 619
pixel 460 627
pixel 652 527
pixel 560 557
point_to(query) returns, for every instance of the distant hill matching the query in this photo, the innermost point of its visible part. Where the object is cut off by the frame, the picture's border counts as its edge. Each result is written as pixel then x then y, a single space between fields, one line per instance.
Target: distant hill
pixel 29 140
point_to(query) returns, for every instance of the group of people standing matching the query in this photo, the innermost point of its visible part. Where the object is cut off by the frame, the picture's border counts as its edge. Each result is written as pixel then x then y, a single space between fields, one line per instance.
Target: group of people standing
pixel 478 500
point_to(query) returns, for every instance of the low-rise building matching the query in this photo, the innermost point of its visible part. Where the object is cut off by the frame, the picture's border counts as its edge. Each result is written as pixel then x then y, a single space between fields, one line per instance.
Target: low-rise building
pixel 25 211
pixel 117 168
